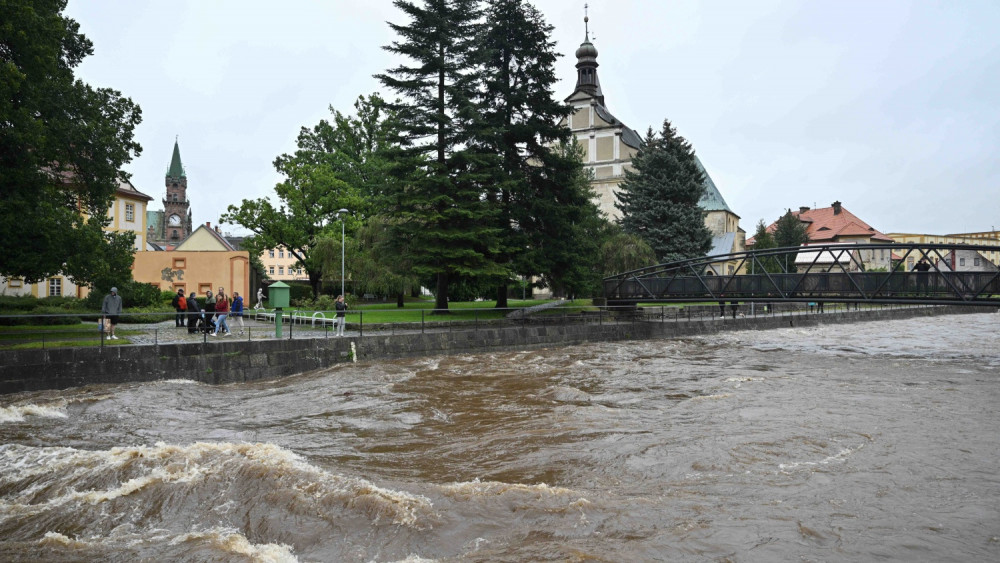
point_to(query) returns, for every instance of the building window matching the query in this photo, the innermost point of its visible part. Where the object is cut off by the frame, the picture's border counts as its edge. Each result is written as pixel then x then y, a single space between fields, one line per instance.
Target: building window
pixel 299 271
pixel 130 212
pixel 281 254
pixel 180 263
pixel 975 261
pixel 15 282
pixel 961 261
pixel 281 270
pixel 271 270
pixel 55 287
pixel 174 235
pixel 270 253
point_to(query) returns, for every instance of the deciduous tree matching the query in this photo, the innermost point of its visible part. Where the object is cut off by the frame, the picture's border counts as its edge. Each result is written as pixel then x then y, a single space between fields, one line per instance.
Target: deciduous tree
pixel 62 147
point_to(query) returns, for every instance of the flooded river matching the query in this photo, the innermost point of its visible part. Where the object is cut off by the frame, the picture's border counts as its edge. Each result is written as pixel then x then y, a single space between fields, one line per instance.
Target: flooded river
pixel 864 442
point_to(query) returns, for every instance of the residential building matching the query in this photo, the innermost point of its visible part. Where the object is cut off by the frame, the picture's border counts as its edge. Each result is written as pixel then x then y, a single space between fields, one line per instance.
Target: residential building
pixel 126 214
pixel 983 238
pixel 835 224
pixel 281 265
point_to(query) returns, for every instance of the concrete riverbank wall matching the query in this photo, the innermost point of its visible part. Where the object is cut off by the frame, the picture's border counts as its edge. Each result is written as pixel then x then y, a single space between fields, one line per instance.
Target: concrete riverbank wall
pixel 220 362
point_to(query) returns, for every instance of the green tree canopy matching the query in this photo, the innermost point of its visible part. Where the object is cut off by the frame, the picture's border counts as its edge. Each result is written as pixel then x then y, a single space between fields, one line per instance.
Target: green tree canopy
pixel 62 148
pixel 449 227
pixel 763 240
pixel 534 178
pixel 659 198
pixel 789 231
pixel 622 252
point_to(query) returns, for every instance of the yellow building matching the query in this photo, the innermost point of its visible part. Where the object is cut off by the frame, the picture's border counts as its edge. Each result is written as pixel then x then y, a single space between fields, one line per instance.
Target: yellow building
pixel 127 214
pixel 280 264
pixel 202 261
pixel 984 238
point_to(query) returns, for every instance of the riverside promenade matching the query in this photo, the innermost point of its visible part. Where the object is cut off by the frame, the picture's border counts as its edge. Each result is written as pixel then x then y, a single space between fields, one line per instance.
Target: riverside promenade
pixel 164 352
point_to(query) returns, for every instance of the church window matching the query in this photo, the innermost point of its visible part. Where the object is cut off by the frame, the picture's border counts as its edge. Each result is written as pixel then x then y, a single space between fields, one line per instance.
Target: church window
pixel 130 212
pixel 55 287
pixel 174 235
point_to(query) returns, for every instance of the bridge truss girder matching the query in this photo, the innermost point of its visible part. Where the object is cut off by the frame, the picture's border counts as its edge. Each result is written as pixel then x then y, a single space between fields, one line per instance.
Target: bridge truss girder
pixel 840 277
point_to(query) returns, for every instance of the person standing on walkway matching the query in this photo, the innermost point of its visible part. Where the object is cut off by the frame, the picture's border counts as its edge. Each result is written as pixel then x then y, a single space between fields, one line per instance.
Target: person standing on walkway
pixel 111 308
pixel 221 312
pixel 180 306
pixel 194 313
pixel 236 309
pixel 341 314
pixel 209 307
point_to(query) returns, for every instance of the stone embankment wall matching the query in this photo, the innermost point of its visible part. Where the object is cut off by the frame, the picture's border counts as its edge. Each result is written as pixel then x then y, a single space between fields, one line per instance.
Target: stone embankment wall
pixel 240 361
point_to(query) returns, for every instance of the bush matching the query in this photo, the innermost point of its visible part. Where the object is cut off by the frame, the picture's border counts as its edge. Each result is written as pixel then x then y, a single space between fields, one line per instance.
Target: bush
pixel 42 316
pixel 14 304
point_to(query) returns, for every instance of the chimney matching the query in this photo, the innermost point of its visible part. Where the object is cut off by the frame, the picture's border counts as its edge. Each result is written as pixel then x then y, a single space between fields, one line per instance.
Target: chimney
pixel 217 229
pixel 208 224
pixel 836 208
pixel 803 209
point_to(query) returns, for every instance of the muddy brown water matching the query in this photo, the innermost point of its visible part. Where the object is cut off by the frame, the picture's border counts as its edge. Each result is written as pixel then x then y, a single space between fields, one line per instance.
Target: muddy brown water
pixel 864 442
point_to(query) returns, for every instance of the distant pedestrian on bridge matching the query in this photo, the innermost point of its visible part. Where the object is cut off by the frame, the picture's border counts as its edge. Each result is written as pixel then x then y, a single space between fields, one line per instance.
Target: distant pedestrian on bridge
pixel 921 268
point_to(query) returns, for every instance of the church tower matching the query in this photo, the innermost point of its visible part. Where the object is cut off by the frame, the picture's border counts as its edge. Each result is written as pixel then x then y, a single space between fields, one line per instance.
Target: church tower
pixel 176 207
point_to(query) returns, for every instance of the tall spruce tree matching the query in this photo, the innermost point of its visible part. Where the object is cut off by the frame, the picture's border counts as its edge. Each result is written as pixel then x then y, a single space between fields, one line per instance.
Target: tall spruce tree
pixel 764 240
pixel 659 199
pixel 517 58
pixel 446 223
pixel 790 231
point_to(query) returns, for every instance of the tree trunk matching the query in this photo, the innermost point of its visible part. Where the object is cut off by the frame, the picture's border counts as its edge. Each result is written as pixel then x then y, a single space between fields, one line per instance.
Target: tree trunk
pixel 315 281
pixel 399 300
pixel 441 296
pixel 502 296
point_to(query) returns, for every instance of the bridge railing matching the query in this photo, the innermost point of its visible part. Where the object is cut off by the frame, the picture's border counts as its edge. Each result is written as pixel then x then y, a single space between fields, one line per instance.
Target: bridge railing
pixel 844 280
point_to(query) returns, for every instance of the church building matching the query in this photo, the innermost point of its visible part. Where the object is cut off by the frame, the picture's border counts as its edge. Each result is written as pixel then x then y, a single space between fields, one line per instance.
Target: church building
pixel 608 146
pixel 169 227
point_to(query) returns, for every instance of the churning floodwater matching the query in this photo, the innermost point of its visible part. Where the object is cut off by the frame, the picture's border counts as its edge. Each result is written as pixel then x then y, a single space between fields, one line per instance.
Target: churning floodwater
pixel 862 442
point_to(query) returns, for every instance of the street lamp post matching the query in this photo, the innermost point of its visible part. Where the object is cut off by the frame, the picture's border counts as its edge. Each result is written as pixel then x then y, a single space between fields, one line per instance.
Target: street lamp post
pixel 339 212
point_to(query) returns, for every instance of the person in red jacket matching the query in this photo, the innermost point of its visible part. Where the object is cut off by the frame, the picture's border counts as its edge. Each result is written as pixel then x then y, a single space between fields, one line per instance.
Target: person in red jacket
pixel 221 312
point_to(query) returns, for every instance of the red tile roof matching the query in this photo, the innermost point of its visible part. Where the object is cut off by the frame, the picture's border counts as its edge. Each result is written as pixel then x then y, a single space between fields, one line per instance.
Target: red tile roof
pixel 824 225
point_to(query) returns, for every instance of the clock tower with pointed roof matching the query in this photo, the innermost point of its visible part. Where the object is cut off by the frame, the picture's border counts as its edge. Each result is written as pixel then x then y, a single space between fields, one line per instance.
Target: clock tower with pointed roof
pixel 176 207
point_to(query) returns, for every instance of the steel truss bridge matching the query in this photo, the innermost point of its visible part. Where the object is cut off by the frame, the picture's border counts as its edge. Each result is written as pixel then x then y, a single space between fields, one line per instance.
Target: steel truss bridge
pixel 819 273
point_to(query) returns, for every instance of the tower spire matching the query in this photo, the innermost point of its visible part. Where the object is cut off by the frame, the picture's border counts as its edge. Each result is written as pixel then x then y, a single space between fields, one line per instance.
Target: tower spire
pixel 586 63
pixel 176 169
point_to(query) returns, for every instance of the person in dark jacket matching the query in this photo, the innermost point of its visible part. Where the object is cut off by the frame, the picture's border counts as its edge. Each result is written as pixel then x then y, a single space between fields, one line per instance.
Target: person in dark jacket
pixel 111 308
pixel 194 313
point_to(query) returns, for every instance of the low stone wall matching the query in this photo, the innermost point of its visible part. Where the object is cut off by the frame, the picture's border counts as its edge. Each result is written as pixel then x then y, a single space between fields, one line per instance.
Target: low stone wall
pixel 241 361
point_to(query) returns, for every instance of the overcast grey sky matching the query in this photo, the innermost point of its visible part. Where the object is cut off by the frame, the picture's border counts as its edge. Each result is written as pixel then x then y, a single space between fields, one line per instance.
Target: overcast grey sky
pixel 890 107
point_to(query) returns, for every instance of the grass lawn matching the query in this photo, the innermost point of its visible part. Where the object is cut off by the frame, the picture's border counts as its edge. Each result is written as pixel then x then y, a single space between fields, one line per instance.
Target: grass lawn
pixel 52 336
pixel 417 311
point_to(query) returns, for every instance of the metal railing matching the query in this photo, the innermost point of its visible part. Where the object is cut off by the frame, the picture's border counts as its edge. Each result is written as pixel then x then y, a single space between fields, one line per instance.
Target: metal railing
pixel 306 323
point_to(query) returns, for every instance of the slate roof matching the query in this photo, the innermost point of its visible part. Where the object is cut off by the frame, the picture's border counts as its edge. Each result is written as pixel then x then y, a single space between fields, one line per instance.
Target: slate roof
pixel 712 200
pixel 629 136
pixel 722 244
pixel 176 169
